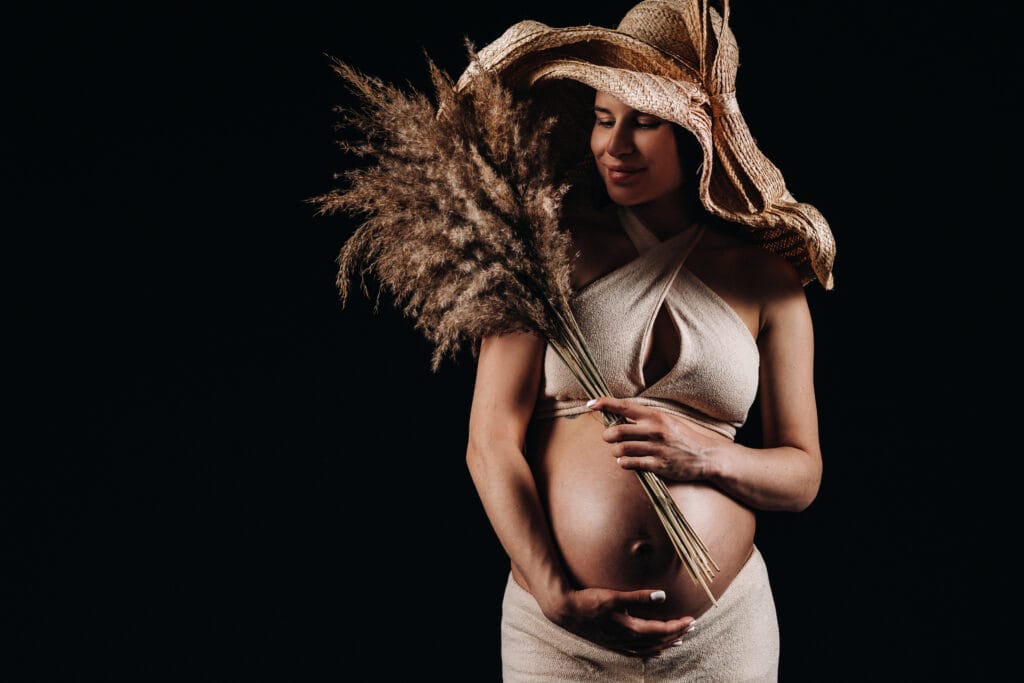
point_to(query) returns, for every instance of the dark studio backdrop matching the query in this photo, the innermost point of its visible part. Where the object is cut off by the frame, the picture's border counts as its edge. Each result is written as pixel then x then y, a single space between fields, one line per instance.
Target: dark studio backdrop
pixel 230 477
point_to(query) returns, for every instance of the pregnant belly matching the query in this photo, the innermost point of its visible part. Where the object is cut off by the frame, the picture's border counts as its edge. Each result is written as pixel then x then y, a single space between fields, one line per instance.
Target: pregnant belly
pixel 608 531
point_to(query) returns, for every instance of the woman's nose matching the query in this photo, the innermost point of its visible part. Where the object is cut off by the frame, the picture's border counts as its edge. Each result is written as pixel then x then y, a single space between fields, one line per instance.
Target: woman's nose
pixel 621 141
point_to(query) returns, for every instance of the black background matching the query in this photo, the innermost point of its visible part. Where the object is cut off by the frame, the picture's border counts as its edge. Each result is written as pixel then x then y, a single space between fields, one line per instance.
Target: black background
pixel 220 474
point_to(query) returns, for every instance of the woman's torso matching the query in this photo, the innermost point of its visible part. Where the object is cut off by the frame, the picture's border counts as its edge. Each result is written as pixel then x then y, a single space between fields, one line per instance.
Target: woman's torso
pixel 606 528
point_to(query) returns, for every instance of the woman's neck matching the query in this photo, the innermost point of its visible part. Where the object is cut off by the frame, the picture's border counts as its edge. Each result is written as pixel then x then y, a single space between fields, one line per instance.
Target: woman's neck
pixel 667 215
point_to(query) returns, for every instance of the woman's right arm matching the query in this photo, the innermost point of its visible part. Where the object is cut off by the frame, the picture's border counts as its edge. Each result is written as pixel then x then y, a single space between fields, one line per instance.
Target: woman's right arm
pixel 505 392
pixel 507 382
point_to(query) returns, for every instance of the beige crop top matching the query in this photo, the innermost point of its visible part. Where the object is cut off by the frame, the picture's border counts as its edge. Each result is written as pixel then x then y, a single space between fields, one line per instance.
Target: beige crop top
pixel 713 381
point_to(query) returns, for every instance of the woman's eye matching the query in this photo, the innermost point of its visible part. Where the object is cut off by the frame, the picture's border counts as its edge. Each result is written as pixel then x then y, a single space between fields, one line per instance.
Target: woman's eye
pixel 648 124
pixel 605 124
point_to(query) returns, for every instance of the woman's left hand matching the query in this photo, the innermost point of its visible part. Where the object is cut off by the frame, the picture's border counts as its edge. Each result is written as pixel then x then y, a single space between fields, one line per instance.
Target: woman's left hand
pixel 656 441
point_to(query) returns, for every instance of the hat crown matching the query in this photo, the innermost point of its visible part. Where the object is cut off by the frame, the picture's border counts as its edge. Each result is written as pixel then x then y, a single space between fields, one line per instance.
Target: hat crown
pixel 690 31
pixel 663 24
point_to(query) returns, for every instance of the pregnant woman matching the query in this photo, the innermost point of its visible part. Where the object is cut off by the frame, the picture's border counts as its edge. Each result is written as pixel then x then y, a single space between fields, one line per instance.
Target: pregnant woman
pixel 690 262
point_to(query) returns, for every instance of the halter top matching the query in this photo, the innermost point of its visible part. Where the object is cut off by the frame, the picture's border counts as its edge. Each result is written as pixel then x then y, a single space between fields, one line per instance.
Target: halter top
pixel 715 377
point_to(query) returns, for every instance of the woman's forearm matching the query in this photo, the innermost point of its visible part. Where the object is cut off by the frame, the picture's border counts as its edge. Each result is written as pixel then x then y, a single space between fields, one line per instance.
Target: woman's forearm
pixel 509 495
pixel 784 478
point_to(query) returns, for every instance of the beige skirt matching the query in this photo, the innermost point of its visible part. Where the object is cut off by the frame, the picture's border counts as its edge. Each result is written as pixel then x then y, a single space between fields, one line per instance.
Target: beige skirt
pixel 734 642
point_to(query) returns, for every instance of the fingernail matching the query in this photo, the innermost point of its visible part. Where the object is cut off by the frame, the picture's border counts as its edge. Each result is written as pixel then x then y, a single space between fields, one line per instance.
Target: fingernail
pixel 658 596
pixel 591 402
pixel 678 642
pixel 690 627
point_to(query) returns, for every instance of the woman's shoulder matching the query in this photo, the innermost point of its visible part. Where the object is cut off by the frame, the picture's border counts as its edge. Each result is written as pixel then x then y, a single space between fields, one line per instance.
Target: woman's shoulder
pixel 763 274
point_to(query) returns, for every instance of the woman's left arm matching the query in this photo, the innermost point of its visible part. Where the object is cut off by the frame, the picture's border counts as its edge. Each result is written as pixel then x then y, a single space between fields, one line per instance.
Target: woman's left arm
pixel 785 473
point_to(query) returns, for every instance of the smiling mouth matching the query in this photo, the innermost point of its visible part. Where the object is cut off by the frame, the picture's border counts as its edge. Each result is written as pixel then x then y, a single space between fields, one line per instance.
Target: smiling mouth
pixel 622 174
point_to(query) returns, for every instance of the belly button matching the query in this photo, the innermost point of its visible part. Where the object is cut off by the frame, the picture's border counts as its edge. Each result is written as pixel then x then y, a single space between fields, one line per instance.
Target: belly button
pixel 641 547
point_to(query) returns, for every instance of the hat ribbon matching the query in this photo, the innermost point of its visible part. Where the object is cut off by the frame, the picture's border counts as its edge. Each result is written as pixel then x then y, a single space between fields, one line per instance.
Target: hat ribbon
pixel 724 103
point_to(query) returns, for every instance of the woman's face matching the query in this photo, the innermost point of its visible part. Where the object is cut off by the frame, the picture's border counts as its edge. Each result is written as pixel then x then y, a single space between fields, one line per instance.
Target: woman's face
pixel 635 152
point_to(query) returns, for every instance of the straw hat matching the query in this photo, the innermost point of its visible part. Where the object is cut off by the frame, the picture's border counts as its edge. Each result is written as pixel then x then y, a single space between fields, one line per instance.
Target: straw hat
pixel 675 59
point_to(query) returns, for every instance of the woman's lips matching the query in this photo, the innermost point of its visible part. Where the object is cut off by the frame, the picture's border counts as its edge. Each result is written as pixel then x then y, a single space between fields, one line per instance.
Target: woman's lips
pixel 622 176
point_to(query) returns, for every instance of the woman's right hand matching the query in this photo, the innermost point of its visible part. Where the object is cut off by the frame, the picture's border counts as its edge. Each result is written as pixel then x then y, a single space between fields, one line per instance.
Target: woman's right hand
pixel 602 616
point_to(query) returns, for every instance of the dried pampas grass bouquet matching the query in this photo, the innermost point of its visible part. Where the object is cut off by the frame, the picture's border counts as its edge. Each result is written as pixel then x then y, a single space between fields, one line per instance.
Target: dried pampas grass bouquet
pixel 461 226
pixel 462 222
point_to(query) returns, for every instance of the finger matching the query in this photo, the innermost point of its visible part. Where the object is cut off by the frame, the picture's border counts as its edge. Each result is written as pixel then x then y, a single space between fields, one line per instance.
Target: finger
pixel 674 640
pixel 635 449
pixel 647 463
pixel 655 649
pixel 629 409
pixel 623 600
pixel 627 432
pixel 657 628
pixel 650 644
pixel 642 596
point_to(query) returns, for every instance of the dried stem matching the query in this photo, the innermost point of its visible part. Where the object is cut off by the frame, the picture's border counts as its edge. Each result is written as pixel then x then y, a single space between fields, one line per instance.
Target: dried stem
pixel 689 547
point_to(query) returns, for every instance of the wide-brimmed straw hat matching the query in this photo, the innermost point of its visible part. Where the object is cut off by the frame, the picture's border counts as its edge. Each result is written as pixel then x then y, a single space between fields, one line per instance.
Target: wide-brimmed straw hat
pixel 675 59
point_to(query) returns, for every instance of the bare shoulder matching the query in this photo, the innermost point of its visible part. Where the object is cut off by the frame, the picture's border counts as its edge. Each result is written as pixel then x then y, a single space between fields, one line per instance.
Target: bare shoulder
pixel 757 275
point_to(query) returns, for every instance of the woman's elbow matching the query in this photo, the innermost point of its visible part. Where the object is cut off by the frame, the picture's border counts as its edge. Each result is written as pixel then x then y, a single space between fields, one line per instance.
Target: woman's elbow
pixel 481 454
pixel 474 455
pixel 811 483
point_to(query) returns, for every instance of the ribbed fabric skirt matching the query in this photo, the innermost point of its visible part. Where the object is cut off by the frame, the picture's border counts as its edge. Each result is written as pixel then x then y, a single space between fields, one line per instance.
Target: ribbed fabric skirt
pixel 735 642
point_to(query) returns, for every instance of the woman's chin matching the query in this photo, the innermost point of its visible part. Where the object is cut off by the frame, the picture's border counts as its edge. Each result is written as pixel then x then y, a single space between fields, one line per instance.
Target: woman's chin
pixel 625 194
pixel 623 197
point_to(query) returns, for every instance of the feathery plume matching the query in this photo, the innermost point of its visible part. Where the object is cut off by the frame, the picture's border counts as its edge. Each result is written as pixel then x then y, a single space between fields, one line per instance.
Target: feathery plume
pixel 463 218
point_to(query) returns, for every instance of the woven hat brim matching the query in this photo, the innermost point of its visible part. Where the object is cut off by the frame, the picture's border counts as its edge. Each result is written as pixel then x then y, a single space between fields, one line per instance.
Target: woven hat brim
pixel 526 45
pixel 738 183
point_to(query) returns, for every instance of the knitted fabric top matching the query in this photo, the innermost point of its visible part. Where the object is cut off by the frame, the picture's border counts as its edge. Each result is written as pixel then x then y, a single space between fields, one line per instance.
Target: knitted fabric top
pixel 714 378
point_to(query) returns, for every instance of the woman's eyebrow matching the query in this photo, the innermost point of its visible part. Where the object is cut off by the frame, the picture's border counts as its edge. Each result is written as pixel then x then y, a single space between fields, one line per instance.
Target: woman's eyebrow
pixel 634 112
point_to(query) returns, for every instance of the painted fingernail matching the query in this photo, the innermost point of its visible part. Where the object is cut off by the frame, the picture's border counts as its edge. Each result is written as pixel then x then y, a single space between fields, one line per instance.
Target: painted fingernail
pixel 690 627
pixel 658 596
pixel 678 642
pixel 591 402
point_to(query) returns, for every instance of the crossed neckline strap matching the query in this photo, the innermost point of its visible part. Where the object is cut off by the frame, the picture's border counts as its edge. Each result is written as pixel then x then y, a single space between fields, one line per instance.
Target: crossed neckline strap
pixel 651 252
pixel 645 241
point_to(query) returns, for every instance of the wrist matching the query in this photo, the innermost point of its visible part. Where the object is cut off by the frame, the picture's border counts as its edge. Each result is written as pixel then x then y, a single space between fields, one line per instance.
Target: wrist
pixel 717 459
pixel 551 596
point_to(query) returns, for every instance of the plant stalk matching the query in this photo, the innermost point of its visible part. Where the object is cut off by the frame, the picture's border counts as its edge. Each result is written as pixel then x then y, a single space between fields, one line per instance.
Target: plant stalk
pixel 689 547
